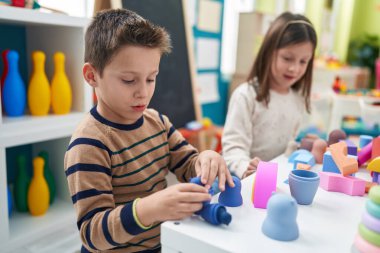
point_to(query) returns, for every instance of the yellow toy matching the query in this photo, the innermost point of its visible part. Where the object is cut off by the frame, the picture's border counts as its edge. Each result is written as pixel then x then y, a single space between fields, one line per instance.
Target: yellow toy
pixel 39 89
pixel 60 86
pixel 38 193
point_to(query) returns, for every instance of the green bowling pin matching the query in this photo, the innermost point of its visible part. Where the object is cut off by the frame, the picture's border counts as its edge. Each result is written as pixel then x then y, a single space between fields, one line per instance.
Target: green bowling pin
pixel 48 175
pixel 21 185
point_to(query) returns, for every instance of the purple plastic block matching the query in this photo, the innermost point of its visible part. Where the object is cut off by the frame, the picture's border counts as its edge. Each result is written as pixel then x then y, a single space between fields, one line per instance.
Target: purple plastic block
pixel 351 148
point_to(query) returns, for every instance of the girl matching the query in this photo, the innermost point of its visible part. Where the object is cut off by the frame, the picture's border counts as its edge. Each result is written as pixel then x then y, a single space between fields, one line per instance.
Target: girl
pixel 265 113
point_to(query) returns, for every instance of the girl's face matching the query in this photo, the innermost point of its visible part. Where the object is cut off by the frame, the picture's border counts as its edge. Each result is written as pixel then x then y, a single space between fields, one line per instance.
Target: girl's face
pixel 289 66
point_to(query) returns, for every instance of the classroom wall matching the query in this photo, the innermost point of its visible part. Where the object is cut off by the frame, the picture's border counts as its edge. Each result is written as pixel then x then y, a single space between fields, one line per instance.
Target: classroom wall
pixel 344 22
pixel 366 18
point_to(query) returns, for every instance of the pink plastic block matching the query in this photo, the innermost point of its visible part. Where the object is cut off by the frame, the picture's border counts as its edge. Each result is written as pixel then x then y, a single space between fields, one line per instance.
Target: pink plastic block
pixel 349 185
pixel 265 183
pixel 365 154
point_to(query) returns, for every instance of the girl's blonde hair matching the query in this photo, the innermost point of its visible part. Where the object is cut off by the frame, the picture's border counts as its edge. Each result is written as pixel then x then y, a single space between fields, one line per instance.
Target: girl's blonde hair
pixel 287 29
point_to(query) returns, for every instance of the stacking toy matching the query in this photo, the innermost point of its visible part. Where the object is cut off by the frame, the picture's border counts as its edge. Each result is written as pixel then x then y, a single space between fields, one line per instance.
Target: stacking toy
pixel 280 223
pixel 232 196
pixel 368 236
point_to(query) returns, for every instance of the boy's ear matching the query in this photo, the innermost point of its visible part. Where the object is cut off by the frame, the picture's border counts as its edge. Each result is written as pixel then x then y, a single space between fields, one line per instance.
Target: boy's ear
pixel 90 74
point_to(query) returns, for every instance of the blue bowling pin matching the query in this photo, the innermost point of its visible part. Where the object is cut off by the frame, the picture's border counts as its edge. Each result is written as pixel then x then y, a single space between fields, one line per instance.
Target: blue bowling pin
pixel 14 88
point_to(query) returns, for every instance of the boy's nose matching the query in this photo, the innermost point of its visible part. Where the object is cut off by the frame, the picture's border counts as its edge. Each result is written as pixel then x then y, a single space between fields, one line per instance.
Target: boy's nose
pixel 142 92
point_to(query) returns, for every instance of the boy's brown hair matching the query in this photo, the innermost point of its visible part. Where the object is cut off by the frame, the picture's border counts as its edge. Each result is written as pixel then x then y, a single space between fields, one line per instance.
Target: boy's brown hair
pixel 111 30
pixel 288 29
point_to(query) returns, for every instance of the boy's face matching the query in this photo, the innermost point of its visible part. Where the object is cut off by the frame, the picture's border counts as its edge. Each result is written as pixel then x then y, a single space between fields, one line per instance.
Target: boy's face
pixel 127 85
pixel 289 65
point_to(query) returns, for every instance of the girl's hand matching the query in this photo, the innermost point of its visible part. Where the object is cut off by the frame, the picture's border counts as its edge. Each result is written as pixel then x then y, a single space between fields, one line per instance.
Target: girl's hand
pixel 173 203
pixel 211 165
pixel 252 167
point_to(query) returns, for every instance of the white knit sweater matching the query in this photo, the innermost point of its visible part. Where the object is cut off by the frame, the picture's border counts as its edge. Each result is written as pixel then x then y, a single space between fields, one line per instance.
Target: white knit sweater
pixel 254 130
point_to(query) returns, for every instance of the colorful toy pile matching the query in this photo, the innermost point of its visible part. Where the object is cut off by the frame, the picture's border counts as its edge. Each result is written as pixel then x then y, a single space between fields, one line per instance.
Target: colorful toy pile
pixel 368 237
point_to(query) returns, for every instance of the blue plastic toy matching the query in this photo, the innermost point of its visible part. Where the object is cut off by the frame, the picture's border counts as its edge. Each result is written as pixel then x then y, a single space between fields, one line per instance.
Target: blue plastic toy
pixel 14 91
pixel 215 214
pixel 232 196
pixel 280 223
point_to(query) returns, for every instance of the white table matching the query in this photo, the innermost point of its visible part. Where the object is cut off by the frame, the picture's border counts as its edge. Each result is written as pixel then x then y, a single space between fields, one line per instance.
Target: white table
pixel 328 225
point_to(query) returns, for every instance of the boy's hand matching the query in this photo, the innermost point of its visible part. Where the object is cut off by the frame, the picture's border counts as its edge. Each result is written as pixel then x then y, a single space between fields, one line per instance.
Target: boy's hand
pixel 173 203
pixel 210 165
pixel 252 167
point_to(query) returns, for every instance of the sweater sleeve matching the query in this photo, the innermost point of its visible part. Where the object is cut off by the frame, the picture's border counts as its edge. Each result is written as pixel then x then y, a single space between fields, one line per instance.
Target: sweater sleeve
pixel 101 224
pixel 183 155
pixel 237 132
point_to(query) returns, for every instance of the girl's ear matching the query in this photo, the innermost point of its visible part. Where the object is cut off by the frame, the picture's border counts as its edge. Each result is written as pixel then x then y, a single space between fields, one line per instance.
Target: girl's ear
pixel 90 74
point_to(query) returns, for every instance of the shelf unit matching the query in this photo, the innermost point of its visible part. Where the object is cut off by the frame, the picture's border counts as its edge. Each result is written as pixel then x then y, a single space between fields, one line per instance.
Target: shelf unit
pixel 49 33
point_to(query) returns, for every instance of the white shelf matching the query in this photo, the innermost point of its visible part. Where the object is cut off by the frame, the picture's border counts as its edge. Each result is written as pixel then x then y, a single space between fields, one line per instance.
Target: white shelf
pixel 30 129
pixel 49 33
pixel 26 16
pixel 25 228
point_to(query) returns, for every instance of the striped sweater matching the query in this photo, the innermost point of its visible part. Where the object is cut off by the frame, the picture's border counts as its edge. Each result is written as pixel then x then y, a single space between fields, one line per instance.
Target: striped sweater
pixel 109 165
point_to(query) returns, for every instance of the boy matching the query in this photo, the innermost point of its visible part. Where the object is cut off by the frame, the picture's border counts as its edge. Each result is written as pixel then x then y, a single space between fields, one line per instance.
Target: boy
pixel 119 155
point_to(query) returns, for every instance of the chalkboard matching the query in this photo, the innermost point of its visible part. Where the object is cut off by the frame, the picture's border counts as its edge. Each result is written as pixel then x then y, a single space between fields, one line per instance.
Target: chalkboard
pixel 174 95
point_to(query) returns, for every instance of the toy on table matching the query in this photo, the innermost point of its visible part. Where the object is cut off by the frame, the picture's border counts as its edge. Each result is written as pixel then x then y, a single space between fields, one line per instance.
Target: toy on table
pixel 346 165
pixel 335 136
pixel 374 167
pixel 265 184
pixel 318 149
pixel 280 223
pixel 303 185
pixel 215 213
pixel 335 182
pixel 364 140
pixel 368 237
pixel 232 196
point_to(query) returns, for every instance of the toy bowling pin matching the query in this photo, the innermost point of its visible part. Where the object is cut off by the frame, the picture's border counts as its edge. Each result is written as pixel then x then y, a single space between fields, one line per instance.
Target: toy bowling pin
pixel 60 86
pixel 38 194
pixel 14 93
pixel 21 185
pixel 39 89
pixel 5 72
pixel 48 175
